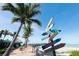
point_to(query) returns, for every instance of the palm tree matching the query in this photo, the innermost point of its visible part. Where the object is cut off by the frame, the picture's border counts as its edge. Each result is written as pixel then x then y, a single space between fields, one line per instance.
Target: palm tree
pixel 12 34
pixel 27 33
pixel 5 33
pixel 1 32
pixel 24 13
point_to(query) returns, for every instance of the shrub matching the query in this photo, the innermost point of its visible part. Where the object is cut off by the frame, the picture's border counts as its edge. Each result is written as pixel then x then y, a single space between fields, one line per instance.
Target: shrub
pixel 2 51
pixel 74 53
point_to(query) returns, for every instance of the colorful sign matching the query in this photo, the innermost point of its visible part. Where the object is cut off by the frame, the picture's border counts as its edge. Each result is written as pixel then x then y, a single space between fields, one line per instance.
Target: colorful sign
pixel 55 47
pixel 53 34
pixel 51 43
pixel 50 24
pixel 54 31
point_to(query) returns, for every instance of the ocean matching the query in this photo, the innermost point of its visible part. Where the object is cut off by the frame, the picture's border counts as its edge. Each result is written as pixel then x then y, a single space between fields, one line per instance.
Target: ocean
pixel 72 45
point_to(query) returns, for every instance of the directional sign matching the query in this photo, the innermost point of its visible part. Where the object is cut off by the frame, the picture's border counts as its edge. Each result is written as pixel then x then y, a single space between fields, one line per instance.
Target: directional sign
pixel 51 34
pixel 51 43
pixel 44 33
pixel 55 47
pixel 50 24
pixel 51 31
pixel 60 45
pixel 55 31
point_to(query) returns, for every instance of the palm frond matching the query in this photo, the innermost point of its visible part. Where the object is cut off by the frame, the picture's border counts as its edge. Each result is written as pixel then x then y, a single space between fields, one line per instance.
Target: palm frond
pixel 28 23
pixel 15 19
pixel 10 7
pixel 20 7
pixel 33 13
pixel 5 32
pixel 1 32
pixel 35 5
pixel 36 21
pixel 27 32
pixel 26 9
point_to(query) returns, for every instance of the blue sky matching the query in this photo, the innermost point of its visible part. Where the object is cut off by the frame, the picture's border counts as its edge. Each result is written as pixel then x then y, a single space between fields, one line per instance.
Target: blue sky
pixel 66 19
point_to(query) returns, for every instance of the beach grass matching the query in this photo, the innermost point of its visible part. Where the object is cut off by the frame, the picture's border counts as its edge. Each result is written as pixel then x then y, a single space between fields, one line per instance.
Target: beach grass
pixel 74 53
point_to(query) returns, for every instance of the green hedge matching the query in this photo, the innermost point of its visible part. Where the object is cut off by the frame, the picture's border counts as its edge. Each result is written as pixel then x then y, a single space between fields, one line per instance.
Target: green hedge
pixel 74 53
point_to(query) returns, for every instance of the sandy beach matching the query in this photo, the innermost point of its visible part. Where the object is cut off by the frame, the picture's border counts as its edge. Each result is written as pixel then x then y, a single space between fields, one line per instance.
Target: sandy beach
pixel 30 51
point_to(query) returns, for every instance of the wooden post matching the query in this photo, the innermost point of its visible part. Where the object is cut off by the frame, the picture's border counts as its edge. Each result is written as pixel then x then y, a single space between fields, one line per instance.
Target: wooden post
pixel 53 49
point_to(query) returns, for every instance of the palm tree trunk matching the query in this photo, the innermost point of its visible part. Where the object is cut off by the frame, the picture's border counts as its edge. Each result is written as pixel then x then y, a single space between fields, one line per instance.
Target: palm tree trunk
pixel 7 52
pixel 26 42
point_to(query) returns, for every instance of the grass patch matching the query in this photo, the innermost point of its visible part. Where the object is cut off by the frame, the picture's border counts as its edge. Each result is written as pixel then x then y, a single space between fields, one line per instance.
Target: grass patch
pixel 74 53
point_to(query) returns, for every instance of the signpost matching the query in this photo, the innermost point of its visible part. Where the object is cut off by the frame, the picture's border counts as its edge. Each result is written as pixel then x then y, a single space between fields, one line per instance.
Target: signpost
pixel 51 34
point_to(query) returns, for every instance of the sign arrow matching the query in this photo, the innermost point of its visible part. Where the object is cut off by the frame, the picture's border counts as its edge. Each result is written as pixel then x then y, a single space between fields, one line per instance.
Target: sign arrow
pixel 55 47
pixel 50 24
pixel 60 45
pixel 51 43
pixel 45 33
pixel 51 31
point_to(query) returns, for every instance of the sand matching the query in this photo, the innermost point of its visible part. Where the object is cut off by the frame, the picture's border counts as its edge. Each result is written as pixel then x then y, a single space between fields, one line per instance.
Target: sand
pixel 30 51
